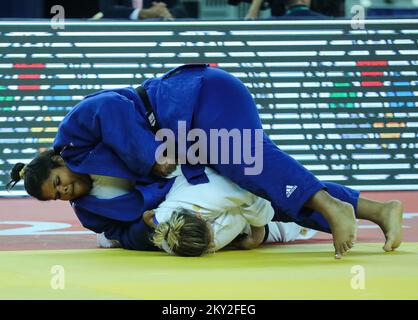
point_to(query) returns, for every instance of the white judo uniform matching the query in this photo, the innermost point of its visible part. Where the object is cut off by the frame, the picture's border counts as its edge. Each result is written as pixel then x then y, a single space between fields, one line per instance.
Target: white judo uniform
pixel 227 207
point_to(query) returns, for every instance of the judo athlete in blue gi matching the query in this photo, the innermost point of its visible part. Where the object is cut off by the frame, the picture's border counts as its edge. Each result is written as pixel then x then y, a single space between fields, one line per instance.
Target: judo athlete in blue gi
pixel 106 160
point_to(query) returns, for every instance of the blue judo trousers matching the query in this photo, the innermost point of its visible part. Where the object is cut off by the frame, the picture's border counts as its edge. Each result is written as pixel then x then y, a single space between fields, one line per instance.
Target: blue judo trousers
pixel 225 103
pixel 107 133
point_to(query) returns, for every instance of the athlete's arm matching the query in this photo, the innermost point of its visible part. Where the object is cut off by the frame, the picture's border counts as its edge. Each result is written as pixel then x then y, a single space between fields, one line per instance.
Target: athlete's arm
pixel 251 241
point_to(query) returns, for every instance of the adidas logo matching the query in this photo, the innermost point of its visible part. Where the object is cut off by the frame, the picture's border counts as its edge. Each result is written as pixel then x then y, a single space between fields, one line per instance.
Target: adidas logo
pixel 289 190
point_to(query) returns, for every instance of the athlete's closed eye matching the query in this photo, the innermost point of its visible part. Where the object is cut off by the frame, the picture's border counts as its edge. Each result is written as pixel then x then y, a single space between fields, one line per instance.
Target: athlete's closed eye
pixel 56 183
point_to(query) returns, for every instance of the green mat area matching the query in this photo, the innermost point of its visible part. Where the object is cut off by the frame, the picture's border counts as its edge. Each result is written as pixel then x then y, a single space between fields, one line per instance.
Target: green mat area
pixel 301 271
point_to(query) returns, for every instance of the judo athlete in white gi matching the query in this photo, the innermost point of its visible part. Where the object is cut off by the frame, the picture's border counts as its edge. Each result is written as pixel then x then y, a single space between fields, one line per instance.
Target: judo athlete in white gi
pixel 227 211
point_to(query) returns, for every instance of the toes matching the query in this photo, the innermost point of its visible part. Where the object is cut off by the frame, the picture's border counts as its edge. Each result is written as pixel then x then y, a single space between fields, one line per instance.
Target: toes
pixel 338 254
pixel 396 243
pixel 395 246
pixel 342 249
pixel 387 248
pixel 345 247
pixel 348 246
pixel 388 245
pixel 392 242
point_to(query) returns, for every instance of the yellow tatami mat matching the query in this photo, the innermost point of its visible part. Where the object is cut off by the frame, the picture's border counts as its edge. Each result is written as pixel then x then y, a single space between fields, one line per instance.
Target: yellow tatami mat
pixel 303 271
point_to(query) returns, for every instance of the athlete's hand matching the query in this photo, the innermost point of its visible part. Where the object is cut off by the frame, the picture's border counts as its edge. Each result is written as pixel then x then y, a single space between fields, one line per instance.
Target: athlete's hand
pixel 103 242
pixel 257 235
pixel 252 241
pixel 148 218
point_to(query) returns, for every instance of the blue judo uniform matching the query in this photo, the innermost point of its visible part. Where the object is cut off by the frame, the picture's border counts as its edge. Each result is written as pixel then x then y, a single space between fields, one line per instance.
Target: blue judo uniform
pixel 107 134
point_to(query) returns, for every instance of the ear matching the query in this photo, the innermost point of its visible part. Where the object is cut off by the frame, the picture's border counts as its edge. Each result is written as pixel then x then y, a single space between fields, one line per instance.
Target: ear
pixel 58 159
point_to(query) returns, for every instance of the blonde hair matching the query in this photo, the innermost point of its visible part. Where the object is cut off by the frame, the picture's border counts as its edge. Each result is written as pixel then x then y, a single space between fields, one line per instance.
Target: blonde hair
pixel 184 234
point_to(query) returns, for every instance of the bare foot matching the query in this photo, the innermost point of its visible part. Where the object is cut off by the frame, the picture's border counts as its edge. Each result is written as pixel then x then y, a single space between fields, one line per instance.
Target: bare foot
pixel 343 227
pixel 340 217
pixel 390 221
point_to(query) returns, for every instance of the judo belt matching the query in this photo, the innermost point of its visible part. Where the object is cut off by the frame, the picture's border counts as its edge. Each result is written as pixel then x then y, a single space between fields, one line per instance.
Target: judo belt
pixel 152 120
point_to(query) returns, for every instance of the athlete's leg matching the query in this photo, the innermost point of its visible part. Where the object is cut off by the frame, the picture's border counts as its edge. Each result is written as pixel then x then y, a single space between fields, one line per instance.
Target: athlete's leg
pixel 388 215
pixel 225 103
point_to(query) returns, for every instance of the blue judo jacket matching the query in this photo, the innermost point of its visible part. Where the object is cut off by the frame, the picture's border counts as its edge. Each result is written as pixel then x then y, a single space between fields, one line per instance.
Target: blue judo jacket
pixel 107 134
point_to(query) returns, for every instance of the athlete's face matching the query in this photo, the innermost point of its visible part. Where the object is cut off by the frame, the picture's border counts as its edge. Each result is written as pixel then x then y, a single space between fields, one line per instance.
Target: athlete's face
pixel 63 184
